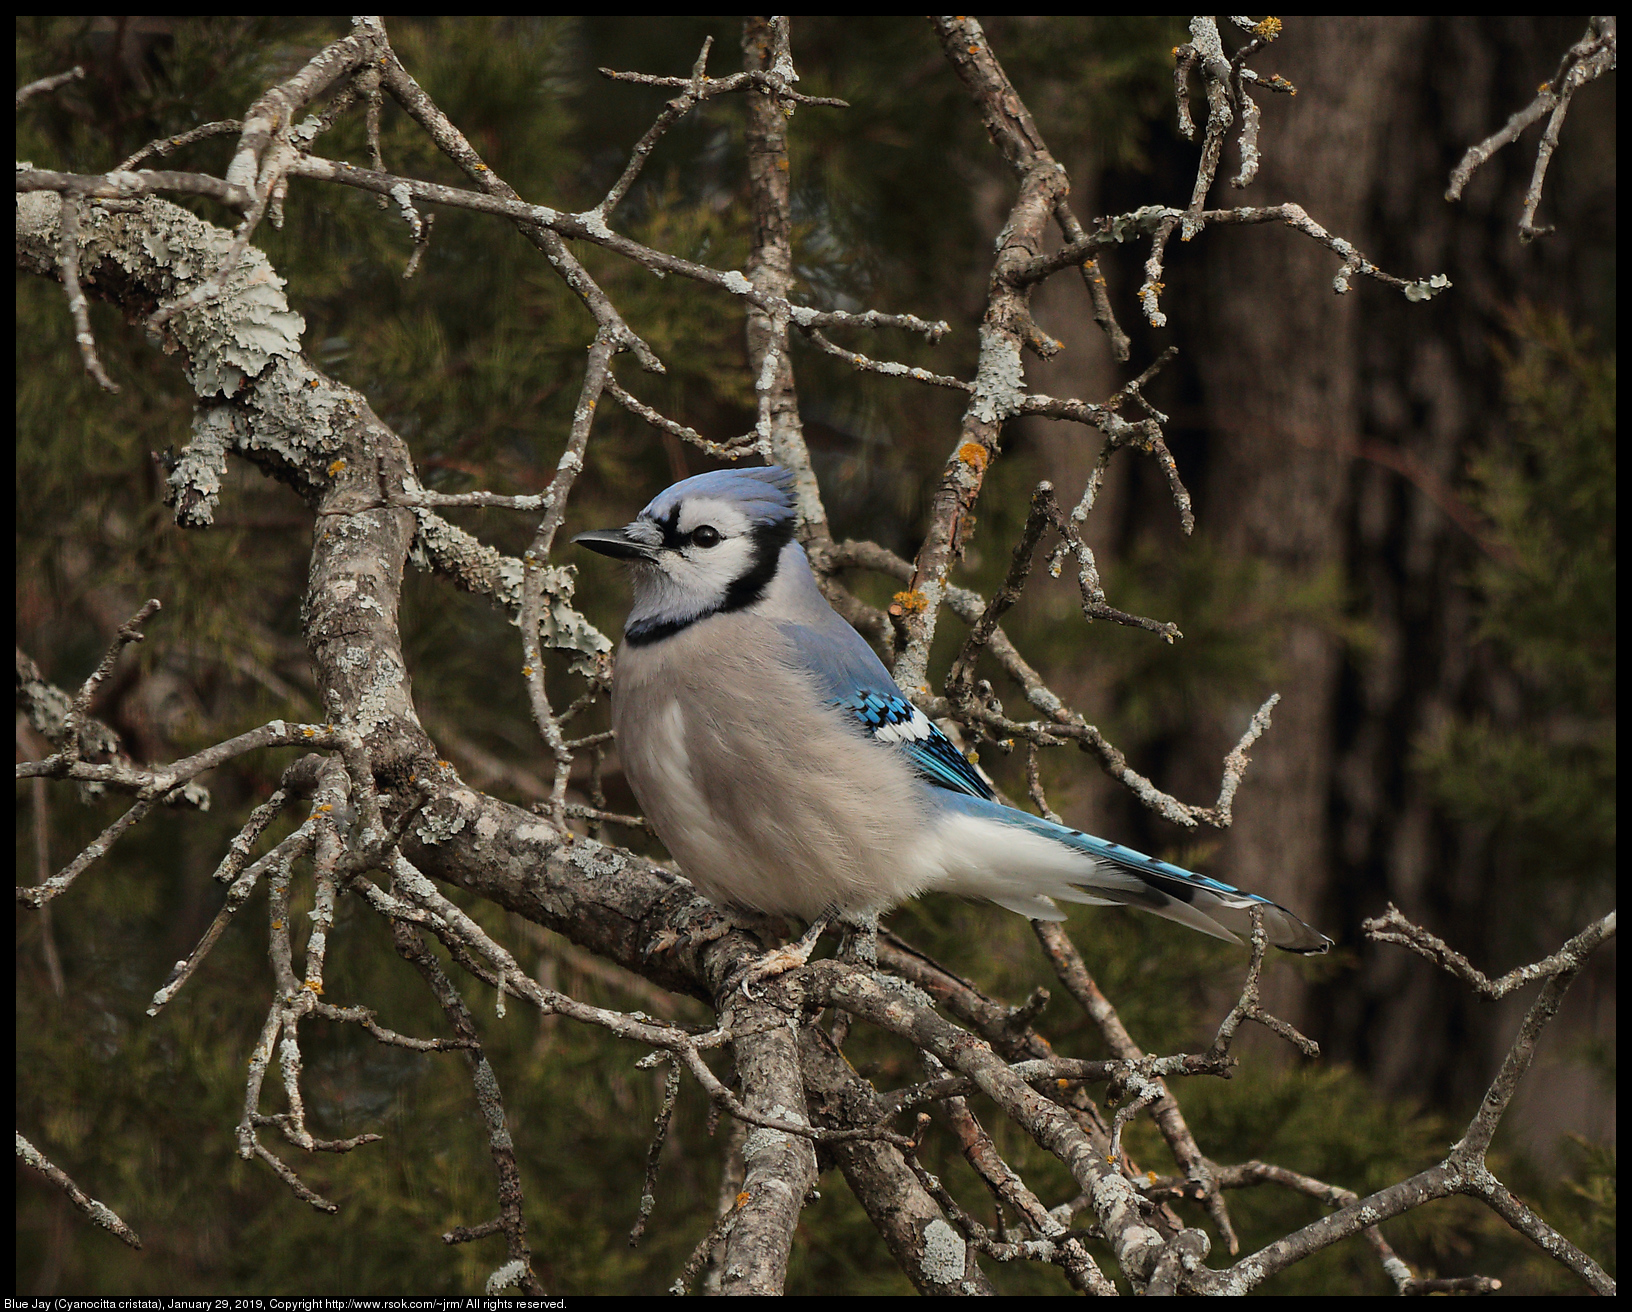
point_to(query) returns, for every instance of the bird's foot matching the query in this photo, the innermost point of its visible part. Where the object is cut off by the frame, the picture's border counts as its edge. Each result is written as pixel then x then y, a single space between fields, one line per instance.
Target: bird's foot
pixel 712 923
pixel 779 961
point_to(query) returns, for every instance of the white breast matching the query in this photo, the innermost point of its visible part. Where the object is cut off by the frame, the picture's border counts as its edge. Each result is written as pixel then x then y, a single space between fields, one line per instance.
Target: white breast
pixel 764 795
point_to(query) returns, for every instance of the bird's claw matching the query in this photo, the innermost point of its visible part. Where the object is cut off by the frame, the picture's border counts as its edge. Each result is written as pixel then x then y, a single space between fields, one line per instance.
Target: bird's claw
pixel 779 961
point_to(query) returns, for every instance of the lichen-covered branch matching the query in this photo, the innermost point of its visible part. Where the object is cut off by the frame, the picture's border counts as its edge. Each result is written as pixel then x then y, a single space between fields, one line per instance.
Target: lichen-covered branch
pixel 1586 61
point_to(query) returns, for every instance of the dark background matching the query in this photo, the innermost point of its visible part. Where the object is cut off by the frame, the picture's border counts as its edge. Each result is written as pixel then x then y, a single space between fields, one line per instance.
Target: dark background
pixel 1405 526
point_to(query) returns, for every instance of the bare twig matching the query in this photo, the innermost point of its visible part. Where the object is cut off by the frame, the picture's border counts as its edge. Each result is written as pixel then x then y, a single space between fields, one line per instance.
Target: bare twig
pixel 697 90
pixel 42 85
pixel 69 266
pixel 486 1087
pixel 1586 61
pixel 532 593
pixel 1198 1170
pixel 168 145
pixel 660 1132
pixel 1164 221
pixel 1393 927
pixel 101 1214
pixel 889 368
pixel 1043 513
pixel 128 186
pixel 453 143
pixel 1247 1008
pixel 732 449
pixel 1463 1171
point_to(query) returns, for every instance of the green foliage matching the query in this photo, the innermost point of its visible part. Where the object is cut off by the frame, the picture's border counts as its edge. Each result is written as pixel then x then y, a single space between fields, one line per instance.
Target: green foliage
pixel 1541 777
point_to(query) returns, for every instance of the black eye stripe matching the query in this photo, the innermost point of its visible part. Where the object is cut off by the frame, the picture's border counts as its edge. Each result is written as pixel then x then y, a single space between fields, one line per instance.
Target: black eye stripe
pixel 669 525
pixel 765 542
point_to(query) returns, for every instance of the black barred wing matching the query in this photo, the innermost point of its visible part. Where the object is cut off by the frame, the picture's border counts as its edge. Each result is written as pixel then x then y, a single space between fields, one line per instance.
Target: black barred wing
pixel 891 718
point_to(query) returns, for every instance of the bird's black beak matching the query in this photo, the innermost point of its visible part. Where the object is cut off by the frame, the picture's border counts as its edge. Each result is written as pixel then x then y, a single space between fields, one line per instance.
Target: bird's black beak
pixel 617 543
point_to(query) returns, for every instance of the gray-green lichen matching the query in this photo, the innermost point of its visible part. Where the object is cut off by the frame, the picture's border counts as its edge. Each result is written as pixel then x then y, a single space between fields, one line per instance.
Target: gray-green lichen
pixel 258 396
pixel 1000 381
pixel 1424 288
pixel 1142 222
pixel 474 565
pixel 944 1253
pixel 593 859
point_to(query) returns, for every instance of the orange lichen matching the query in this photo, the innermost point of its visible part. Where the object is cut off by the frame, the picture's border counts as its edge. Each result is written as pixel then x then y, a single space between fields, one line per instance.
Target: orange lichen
pixel 910 601
pixel 975 455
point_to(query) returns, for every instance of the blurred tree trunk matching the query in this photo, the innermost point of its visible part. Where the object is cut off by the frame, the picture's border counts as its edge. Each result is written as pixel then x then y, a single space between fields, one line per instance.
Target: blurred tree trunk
pixel 1279 364
pixel 1336 428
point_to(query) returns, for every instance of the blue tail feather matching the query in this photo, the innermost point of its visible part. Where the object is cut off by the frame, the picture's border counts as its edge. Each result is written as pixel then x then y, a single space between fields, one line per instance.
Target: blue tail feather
pixel 1118 875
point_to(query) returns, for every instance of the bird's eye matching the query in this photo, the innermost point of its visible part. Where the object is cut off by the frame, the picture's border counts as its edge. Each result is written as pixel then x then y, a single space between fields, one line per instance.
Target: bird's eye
pixel 705 535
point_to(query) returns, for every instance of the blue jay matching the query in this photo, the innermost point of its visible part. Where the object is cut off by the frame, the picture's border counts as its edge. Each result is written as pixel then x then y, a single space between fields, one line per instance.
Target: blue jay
pixel 787 773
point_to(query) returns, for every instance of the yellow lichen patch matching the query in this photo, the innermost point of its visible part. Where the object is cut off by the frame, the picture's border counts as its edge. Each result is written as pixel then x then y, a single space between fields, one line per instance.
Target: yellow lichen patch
pixel 337 468
pixel 975 455
pixel 910 601
pixel 1268 30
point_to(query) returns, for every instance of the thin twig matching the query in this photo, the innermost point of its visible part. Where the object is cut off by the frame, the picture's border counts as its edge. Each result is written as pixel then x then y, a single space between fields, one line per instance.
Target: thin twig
pixel 34 1159
pixel 1585 61
pixel 68 264
pixel 40 86
pixel 167 145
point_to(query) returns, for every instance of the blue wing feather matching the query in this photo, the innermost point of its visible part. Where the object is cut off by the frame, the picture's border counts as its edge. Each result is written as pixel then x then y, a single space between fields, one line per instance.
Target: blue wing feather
pixel 852 677
pixel 891 718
